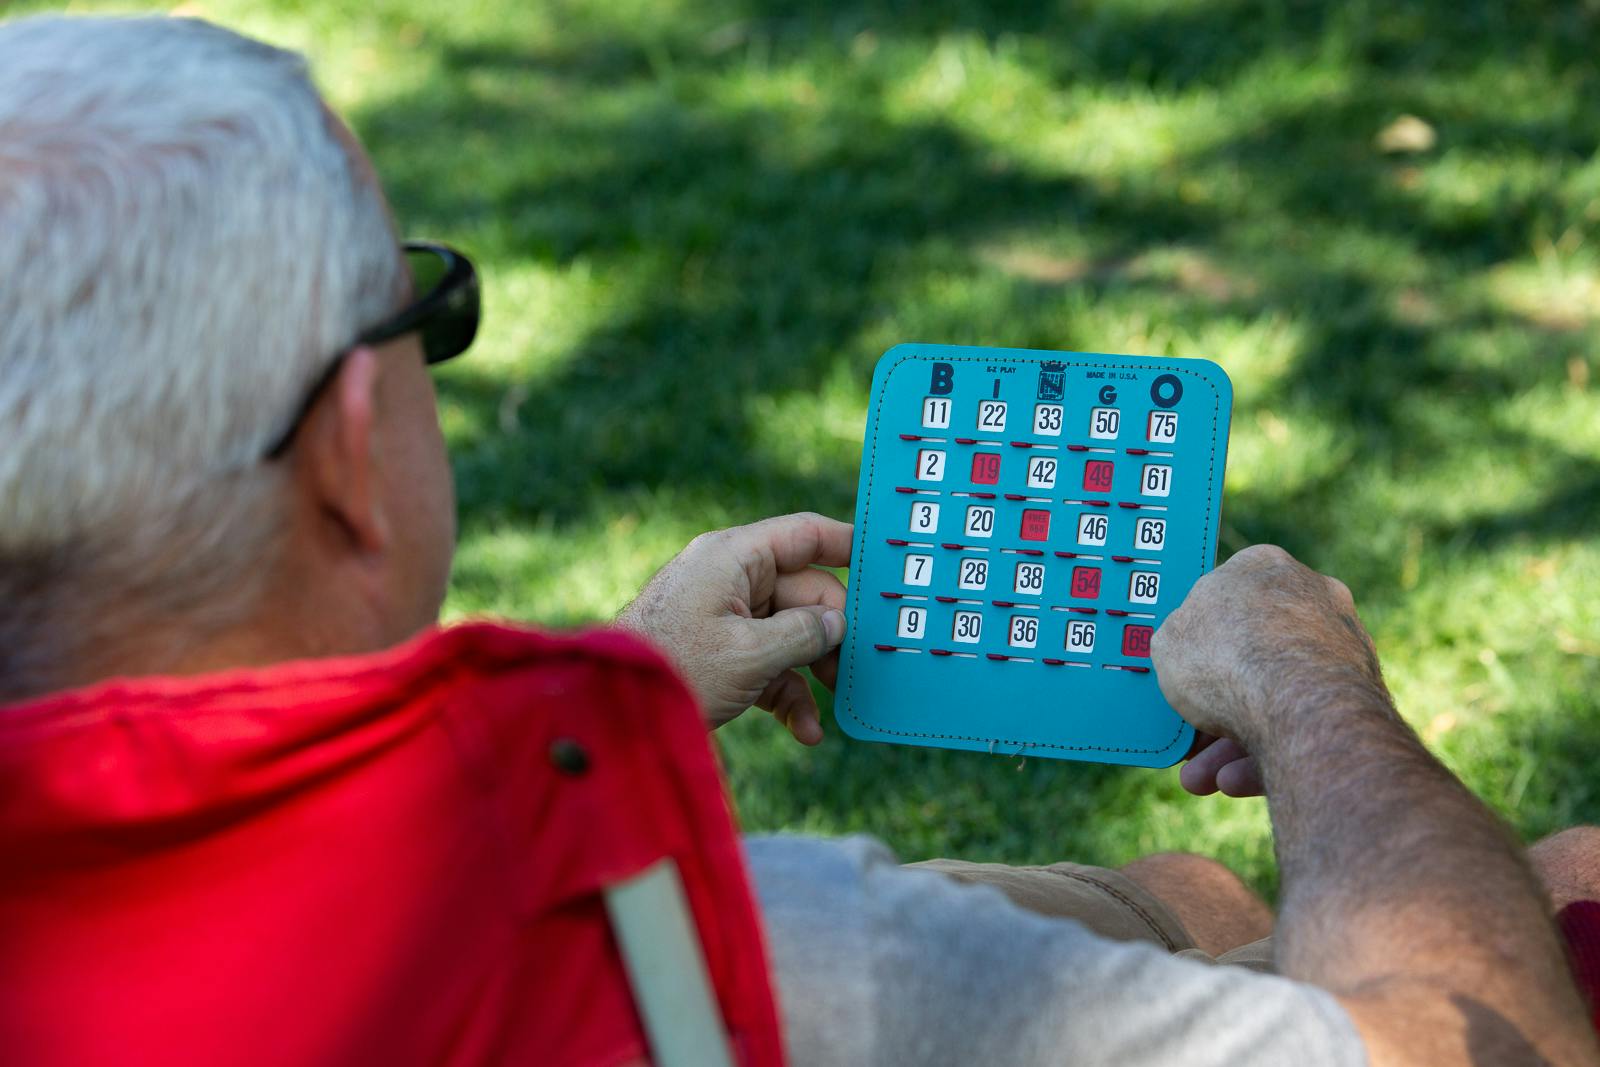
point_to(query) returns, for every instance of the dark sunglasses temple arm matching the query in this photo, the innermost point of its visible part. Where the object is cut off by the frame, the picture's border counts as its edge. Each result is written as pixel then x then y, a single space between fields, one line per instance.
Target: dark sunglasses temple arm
pixel 446 315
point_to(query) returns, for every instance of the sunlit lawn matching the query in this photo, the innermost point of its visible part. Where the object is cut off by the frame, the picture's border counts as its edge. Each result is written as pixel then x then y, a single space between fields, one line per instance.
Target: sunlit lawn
pixel 701 222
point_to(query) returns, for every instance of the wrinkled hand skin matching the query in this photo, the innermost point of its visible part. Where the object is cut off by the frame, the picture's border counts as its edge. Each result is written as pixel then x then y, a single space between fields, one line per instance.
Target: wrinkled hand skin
pixel 1256 629
pixel 739 609
pixel 1402 895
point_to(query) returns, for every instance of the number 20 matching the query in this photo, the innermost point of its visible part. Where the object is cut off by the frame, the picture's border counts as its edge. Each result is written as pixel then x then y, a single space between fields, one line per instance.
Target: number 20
pixel 980 521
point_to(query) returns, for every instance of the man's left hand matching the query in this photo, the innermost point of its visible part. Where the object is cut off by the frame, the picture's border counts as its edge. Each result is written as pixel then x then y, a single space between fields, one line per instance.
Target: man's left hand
pixel 740 609
pixel 1220 764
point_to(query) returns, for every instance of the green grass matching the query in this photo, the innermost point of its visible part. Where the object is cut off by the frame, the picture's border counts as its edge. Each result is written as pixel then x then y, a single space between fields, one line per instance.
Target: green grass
pixel 701 222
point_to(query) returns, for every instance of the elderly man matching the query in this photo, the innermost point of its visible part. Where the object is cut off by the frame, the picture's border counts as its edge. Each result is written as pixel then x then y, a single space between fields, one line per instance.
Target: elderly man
pixel 222 454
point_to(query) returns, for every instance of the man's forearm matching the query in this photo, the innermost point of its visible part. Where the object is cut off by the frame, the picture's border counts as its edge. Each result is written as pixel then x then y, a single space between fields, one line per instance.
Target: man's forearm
pixel 1405 896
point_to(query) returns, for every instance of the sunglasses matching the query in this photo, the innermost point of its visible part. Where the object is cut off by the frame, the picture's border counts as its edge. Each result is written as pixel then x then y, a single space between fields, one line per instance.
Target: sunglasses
pixel 445 317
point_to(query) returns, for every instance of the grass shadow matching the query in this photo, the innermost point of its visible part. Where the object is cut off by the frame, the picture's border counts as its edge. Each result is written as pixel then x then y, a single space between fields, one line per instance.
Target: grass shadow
pixel 752 179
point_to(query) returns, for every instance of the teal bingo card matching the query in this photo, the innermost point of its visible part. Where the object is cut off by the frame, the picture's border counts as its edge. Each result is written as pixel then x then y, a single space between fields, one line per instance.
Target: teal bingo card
pixel 1024 522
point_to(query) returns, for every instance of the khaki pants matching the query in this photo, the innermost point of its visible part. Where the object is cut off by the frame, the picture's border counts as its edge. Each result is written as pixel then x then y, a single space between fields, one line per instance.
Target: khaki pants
pixel 1106 901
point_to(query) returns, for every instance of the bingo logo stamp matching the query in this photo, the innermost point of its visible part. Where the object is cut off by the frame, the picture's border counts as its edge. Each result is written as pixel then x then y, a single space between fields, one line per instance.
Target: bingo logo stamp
pixel 1015 553
pixel 1052 381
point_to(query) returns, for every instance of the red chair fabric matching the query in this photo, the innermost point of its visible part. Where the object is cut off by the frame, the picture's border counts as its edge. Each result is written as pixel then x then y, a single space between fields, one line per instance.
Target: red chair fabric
pixel 374 860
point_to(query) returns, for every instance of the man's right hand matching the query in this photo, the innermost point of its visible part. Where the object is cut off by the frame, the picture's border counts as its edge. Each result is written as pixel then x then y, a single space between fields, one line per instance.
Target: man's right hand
pixel 1259 626
pixel 1402 895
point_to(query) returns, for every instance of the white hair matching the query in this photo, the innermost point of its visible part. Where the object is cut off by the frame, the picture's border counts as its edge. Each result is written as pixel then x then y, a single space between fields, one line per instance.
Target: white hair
pixel 186 240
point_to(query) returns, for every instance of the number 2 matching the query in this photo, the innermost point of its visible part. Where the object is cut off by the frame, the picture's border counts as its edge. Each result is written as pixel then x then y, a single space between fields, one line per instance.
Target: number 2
pixel 930 465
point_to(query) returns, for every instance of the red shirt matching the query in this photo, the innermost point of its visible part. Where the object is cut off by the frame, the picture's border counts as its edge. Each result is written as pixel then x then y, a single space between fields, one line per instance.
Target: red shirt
pixel 1580 924
pixel 369 860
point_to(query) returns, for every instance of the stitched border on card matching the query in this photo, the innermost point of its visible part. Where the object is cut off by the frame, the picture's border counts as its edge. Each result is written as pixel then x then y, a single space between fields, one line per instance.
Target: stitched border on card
pixel 866 517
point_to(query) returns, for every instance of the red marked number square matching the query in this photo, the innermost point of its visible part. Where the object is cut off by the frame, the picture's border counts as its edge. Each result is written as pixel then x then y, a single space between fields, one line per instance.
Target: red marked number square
pixel 1136 640
pixel 1097 476
pixel 1086 583
pixel 986 468
pixel 1035 524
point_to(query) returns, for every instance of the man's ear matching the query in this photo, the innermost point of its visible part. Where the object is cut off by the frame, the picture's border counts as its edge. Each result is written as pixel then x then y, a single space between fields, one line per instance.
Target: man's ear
pixel 337 455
